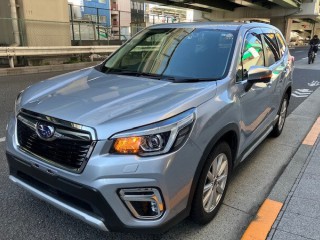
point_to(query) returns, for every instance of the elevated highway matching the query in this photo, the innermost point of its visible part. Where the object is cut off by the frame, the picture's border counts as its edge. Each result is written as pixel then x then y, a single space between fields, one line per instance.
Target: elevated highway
pixel 287 15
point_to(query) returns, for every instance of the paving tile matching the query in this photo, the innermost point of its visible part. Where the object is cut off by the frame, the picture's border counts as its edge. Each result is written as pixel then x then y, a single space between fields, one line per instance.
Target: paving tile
pixel 229 224
pixel 314 165
pixel 280 235
pixel 305 207
pixel 287 181
pixel 270 235
pixel 272 157
pixel 293 136
pixel 308 187
pixel 312 109
pixel 300 225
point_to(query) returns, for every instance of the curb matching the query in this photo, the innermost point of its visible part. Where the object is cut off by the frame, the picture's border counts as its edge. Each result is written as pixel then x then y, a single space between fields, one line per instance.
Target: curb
pixel 263 224
pixel 47 68
pixel 295 184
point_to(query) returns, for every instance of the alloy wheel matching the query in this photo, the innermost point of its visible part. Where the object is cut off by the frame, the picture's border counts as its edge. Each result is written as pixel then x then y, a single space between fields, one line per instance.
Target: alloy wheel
pixel 215 183
pixel 283 113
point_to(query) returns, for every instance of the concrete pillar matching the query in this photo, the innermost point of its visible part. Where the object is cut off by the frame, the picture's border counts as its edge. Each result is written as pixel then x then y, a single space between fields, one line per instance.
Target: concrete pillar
pixel 284 25
pixel 194 15
pixel 197 15
pixel 15 24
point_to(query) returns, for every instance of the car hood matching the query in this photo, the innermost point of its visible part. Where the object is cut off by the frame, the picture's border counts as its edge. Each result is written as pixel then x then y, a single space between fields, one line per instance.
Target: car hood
pixel 112 103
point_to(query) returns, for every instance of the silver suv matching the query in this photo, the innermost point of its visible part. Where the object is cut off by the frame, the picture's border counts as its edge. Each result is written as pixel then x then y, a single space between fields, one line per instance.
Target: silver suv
pixel 152 134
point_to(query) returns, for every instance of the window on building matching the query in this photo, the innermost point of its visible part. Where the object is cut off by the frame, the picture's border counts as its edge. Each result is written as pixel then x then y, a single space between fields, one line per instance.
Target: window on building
pixel 94 18
pixel 102 19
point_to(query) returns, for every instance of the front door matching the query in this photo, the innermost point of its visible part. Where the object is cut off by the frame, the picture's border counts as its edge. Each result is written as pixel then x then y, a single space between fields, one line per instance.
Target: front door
pixel 255 102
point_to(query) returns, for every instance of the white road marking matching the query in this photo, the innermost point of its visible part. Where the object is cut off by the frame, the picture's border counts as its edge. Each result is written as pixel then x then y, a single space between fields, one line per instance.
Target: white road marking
pixel 304 90
pixel 302 93
pixel 299 51
pixel 298 96
pixel 314 84
pixel 2 139
pixel 305 58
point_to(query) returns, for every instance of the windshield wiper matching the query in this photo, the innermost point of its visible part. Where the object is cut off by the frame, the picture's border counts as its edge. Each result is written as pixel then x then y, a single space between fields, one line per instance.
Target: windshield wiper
pixel 150 75
pixel 132 73
pixel 191 80
pixel 120 72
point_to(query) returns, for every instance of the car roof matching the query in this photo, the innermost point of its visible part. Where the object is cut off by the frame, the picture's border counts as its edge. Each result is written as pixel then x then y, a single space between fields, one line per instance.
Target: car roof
pixel 212 25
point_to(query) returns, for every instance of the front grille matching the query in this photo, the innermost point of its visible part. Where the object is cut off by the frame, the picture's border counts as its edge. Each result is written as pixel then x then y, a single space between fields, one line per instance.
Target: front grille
pixel 70 150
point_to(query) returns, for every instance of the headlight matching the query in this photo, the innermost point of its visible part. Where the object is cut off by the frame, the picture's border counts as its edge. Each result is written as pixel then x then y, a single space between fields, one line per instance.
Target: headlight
pixel 17 104
pixel 158 138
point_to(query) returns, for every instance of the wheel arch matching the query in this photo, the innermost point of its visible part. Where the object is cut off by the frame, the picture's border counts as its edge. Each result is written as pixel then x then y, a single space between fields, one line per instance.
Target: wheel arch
pixel 288 91
pixel 230 134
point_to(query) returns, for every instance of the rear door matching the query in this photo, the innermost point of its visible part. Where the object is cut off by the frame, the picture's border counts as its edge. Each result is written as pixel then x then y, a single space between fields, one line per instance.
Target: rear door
pixel 286 61
pixel 274 61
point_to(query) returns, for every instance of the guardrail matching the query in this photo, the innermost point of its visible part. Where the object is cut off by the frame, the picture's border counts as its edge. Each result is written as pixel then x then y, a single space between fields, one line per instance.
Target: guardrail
pixel 12 52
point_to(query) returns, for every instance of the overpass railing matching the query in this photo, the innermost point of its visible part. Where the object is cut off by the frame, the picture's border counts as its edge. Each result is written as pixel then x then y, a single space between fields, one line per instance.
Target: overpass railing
pixel 12 52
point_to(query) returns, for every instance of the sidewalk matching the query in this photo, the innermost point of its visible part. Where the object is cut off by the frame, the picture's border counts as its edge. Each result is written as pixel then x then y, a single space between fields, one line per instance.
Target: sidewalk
pixel 300 216
pixel 291 211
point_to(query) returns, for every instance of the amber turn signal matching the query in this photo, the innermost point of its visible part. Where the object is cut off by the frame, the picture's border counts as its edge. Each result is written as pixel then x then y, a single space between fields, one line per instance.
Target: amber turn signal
pixel 128 145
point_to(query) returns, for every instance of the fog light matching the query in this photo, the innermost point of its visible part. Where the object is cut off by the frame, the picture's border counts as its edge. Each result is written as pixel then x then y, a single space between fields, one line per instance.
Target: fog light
pixel 143 203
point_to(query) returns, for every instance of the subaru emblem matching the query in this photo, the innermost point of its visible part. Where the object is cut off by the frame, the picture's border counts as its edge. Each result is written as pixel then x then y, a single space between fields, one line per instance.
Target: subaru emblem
pixel 44 131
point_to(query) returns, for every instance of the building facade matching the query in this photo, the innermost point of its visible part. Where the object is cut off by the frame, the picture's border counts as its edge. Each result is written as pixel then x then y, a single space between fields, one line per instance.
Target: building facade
pixel 34 23
pixel 121 18
pixel 97 11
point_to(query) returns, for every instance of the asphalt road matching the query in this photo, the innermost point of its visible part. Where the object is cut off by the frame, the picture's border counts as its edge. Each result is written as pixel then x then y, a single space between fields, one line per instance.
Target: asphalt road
pixel 305 78
pixel 25 217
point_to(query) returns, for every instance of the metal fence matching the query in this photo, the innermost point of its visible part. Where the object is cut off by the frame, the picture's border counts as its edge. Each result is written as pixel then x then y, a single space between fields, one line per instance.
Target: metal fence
pixel 86 26
pixel 100 24
pixel 11 52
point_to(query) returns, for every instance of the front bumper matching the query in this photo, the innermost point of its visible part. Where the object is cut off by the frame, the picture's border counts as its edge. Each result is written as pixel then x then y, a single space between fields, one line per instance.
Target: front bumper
pixel 92 196
pixel 80 201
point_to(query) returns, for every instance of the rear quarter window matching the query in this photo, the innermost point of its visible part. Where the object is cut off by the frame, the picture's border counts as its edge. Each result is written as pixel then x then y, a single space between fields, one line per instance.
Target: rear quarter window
pixel 282 44
pixel 271 49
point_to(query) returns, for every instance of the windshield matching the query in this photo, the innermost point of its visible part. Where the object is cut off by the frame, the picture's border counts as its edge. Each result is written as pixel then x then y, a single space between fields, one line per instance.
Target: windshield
pixel 191 53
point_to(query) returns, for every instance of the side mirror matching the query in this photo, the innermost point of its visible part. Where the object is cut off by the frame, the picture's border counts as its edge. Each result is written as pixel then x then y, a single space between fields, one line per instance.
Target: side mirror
pixel 258 74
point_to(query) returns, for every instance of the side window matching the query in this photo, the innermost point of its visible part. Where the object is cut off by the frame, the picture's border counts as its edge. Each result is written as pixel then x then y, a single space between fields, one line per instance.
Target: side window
pixel 251 55
pixel 282 44
pixel 271 49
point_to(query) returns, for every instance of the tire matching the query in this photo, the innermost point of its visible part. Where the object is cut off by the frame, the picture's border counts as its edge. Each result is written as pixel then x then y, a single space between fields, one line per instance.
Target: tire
pixel 309 59
pixel 219 165
pixel 313 57
pixel 278 127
